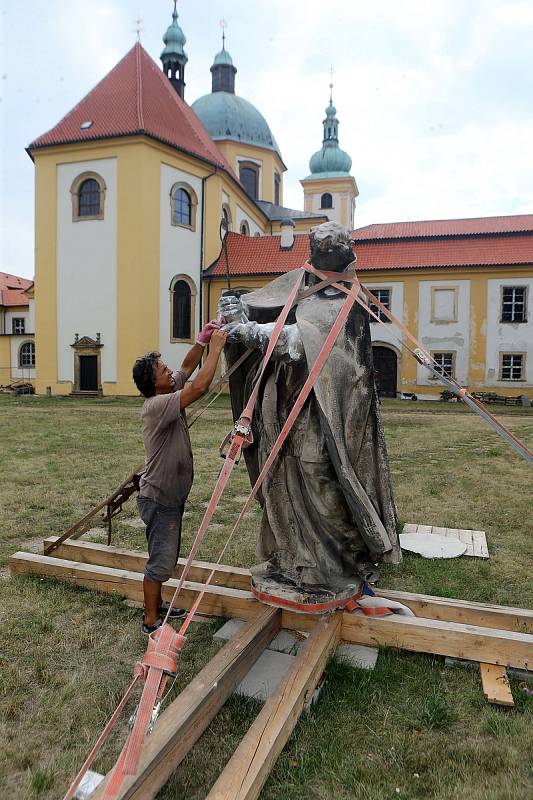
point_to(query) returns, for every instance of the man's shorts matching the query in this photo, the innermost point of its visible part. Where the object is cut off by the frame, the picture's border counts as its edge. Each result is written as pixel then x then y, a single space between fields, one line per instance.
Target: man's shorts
pixel 163 534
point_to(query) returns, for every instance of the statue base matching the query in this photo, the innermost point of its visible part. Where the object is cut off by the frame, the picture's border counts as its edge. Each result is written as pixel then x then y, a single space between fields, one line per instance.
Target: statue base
pixel 273 591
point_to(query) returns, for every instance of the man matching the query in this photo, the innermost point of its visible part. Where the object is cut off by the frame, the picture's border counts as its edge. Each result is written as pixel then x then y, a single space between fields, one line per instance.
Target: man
pixel 168 474
pixel 328 510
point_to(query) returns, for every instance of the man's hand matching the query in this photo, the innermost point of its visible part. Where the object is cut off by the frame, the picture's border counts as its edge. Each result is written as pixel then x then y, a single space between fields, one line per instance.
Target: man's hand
pixel 232 309
pixel 234 331
pixel 218 340
pixel 204 337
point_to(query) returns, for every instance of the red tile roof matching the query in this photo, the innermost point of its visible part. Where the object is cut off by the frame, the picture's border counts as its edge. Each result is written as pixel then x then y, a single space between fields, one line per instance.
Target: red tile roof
pixel 135 98
pixel 517 223
pixel 262 255
pixel 12 290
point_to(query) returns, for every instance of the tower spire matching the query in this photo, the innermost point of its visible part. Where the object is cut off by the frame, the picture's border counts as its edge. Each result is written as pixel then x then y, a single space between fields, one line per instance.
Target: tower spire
pixel 223 70
pixel 173 56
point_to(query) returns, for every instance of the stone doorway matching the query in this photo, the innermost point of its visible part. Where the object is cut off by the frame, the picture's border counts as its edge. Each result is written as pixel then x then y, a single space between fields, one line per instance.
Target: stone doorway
pixel 87 365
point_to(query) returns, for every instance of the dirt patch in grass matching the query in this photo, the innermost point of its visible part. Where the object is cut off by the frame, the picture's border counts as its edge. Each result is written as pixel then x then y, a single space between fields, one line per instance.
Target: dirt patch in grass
pixel 412 725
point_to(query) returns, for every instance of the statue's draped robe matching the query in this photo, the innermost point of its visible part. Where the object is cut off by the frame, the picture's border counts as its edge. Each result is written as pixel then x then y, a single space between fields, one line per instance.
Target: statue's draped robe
pixel 327 500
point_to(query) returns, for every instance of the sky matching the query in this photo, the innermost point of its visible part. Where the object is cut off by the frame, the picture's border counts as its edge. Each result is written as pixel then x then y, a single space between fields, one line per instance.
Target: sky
pixel 434 97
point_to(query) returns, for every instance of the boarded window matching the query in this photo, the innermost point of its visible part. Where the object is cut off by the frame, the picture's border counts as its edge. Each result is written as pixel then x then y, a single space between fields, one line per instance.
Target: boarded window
pixel 383 295
pixel 514 304
pixel 444 305
pixel 512 367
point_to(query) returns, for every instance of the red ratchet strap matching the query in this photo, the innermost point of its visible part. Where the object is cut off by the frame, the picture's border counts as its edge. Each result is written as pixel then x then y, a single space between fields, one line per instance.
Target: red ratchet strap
pixel 349 603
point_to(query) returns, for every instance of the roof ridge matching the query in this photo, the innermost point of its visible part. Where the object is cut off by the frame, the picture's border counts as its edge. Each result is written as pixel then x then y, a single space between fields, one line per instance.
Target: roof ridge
pixel 138 71
pixel 177 100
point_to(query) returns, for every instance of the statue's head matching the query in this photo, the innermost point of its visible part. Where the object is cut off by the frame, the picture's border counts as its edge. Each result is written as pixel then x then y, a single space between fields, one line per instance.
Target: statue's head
pixel 331 247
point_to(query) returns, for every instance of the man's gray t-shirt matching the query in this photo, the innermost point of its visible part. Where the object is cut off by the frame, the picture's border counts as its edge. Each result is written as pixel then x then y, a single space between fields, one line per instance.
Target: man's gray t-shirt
pixel 168 473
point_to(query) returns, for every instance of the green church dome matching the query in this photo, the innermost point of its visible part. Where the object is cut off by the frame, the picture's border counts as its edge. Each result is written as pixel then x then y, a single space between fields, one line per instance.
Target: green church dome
pixel 228 116
pixel 174 40
pixel 223 57
pixel 330 161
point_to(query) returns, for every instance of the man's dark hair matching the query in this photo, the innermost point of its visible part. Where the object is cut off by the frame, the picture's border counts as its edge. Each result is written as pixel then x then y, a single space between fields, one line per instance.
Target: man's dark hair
pixel 143 373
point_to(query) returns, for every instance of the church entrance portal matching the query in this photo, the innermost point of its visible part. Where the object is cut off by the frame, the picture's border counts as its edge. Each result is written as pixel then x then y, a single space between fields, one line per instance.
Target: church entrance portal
pixel 88 374
pixel 385 371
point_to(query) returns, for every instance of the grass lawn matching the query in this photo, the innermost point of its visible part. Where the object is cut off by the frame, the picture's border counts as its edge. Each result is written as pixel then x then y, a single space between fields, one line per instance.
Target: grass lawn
pixel 410 729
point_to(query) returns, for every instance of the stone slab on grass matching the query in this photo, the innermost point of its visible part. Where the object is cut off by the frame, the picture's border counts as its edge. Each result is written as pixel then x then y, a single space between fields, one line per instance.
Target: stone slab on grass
pixel 358 655
pixel 89 784
pixel 284 642
pixel 265 675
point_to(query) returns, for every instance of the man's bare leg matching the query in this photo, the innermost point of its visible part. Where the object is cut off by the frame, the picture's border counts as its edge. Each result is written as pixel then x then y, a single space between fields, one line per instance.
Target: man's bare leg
pixel 152 600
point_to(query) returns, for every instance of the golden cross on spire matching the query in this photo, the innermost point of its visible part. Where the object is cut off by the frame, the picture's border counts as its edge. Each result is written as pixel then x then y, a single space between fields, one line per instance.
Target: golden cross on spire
pixel 138 28
pixel 223 25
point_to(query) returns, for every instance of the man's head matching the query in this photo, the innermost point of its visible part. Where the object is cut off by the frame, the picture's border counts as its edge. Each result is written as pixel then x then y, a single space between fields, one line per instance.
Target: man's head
pixel 331 247
pixel 152 376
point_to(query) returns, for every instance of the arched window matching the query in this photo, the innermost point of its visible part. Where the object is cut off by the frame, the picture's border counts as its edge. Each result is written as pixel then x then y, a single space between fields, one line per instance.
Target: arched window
pixel 27 354
pixel 88 197
pixel 182 208
pixel 183 203
pixel 249 177
pixel 182 309
pixel 326 201
pixel 245 228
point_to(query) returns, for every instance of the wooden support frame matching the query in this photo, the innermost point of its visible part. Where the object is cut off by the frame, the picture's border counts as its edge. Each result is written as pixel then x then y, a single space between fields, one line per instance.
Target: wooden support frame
pixel 495 635
pixel 418 634
pixel 183 722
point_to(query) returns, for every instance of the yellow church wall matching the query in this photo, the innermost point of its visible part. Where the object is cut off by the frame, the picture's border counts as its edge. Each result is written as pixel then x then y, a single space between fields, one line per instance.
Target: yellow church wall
pixel 407 365
pixel 5 360
pixel 269 160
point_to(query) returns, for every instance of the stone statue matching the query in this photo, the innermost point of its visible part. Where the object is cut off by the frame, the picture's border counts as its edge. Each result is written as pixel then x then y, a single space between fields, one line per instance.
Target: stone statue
pixel 328 511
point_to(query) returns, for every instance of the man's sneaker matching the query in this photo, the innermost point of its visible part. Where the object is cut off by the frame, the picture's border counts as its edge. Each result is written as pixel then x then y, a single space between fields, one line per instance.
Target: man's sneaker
pixel 175 613
pixel 148 629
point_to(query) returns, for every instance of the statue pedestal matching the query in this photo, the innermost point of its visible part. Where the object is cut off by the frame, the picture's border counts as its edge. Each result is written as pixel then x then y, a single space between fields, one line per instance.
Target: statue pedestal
pixel 316 600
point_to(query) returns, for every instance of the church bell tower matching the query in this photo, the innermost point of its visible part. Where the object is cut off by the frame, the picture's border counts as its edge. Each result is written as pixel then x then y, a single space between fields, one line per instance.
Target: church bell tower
pixel 174 57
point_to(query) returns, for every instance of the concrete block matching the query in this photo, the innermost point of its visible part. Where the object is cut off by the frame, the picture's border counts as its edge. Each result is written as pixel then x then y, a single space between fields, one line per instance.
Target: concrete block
pixel 265 675
pixel 284 642
pixel 89 784
pixel 358 655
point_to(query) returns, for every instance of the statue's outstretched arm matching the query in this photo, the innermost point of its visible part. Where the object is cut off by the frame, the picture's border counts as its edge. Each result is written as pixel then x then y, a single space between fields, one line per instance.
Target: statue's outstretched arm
pixel 256 336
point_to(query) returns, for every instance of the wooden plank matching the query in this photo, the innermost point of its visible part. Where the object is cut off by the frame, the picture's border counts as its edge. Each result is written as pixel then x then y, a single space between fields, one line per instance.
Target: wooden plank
pixel 443 608
pixel 496 686
pixel 466 537
pixel 442 638
pixel 218 600
pixel 424 529
pixel 469 613
pixel 474 643
pixel 249 767
pixel 133 560
pixel 183 722
pixel 481 549
pixel 409 527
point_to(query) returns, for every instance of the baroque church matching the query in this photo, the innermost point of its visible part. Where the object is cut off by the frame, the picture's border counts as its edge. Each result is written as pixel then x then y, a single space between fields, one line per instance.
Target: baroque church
pixel 147 208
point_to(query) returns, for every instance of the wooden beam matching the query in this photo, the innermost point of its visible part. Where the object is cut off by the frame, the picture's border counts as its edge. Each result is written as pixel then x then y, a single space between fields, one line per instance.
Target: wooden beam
pixel 183 722
pixel 134 561
pixel 249 767
pixel 428 606
pixel 421 635
pixel 218 600
pixel 496 686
